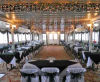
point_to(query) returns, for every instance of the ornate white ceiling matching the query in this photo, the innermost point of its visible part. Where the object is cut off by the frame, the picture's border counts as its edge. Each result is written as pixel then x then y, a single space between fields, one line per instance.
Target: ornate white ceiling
pixel 36 18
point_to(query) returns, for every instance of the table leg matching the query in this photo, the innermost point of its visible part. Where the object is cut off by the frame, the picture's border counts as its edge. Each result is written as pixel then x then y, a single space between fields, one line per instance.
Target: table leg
pixel 11 66
pixel 93 67
pixel 7 67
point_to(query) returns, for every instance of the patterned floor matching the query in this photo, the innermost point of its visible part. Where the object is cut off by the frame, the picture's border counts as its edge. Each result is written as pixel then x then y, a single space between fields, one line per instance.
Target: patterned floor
pixel 47 51
pixel 57 52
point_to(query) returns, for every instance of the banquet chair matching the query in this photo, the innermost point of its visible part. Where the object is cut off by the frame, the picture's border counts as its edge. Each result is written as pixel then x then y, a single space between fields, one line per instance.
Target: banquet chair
pixel 2 63
pixel 75 74
pixel 29 73
pixel 50 74
pixel 29 66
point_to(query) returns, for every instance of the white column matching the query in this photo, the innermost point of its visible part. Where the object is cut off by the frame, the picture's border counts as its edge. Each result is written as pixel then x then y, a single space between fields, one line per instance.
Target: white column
pixel 47 37
pixel 33 36
pixel 90 40
pixel 40 37
pixel 25 37
pixel 59 37
pixel 30 36
pixel 12 33
pixel 73 37
pixel 66 37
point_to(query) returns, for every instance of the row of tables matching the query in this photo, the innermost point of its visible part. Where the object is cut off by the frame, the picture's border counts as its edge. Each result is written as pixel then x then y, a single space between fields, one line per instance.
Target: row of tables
pixel 63 66
pixel 90 58
pixel 21 52
pixel 59 64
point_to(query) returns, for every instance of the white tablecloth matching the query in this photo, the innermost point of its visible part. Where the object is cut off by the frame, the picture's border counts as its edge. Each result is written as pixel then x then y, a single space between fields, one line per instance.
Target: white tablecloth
pixel 20 52
pixel 1 60
pixel 76 49
pixel 83 55
pixel 13 61
pixel 89 62
pixel 75 69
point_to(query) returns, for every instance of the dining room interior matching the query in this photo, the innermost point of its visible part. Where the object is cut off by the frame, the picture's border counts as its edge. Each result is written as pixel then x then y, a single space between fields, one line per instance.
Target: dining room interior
pixel 49 40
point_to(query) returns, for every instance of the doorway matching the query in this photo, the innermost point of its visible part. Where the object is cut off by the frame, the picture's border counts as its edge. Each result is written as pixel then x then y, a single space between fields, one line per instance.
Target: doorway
pixel 53 38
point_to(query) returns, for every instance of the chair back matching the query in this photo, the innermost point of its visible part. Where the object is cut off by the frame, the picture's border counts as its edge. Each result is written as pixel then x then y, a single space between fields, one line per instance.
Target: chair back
pixel 29 66
pixel 29 75
pixel 50 74
pixel 75 74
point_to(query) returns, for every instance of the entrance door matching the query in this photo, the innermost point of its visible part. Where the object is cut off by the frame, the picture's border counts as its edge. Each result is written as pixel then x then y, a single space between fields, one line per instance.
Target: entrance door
pixel 53 38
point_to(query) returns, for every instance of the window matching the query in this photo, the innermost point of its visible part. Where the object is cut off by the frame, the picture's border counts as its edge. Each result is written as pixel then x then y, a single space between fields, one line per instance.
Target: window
pixel 86 36
pixel 20 37
pixel 3 38
pixel 96 36
pixel 23 37
pixel 36 37
pixel 76 36
pixel 15 38
pixel 70 37
pixel 83 37
pixel 55 36
pixel 10 37
pixel 61 36
pixel 51 36
pixel 27 37
pixel 79 36
pixel 44 36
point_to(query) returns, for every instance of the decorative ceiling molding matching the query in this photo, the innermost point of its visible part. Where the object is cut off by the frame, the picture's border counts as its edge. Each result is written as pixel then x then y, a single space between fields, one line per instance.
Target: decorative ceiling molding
pixel 49 1
pixel 51 7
